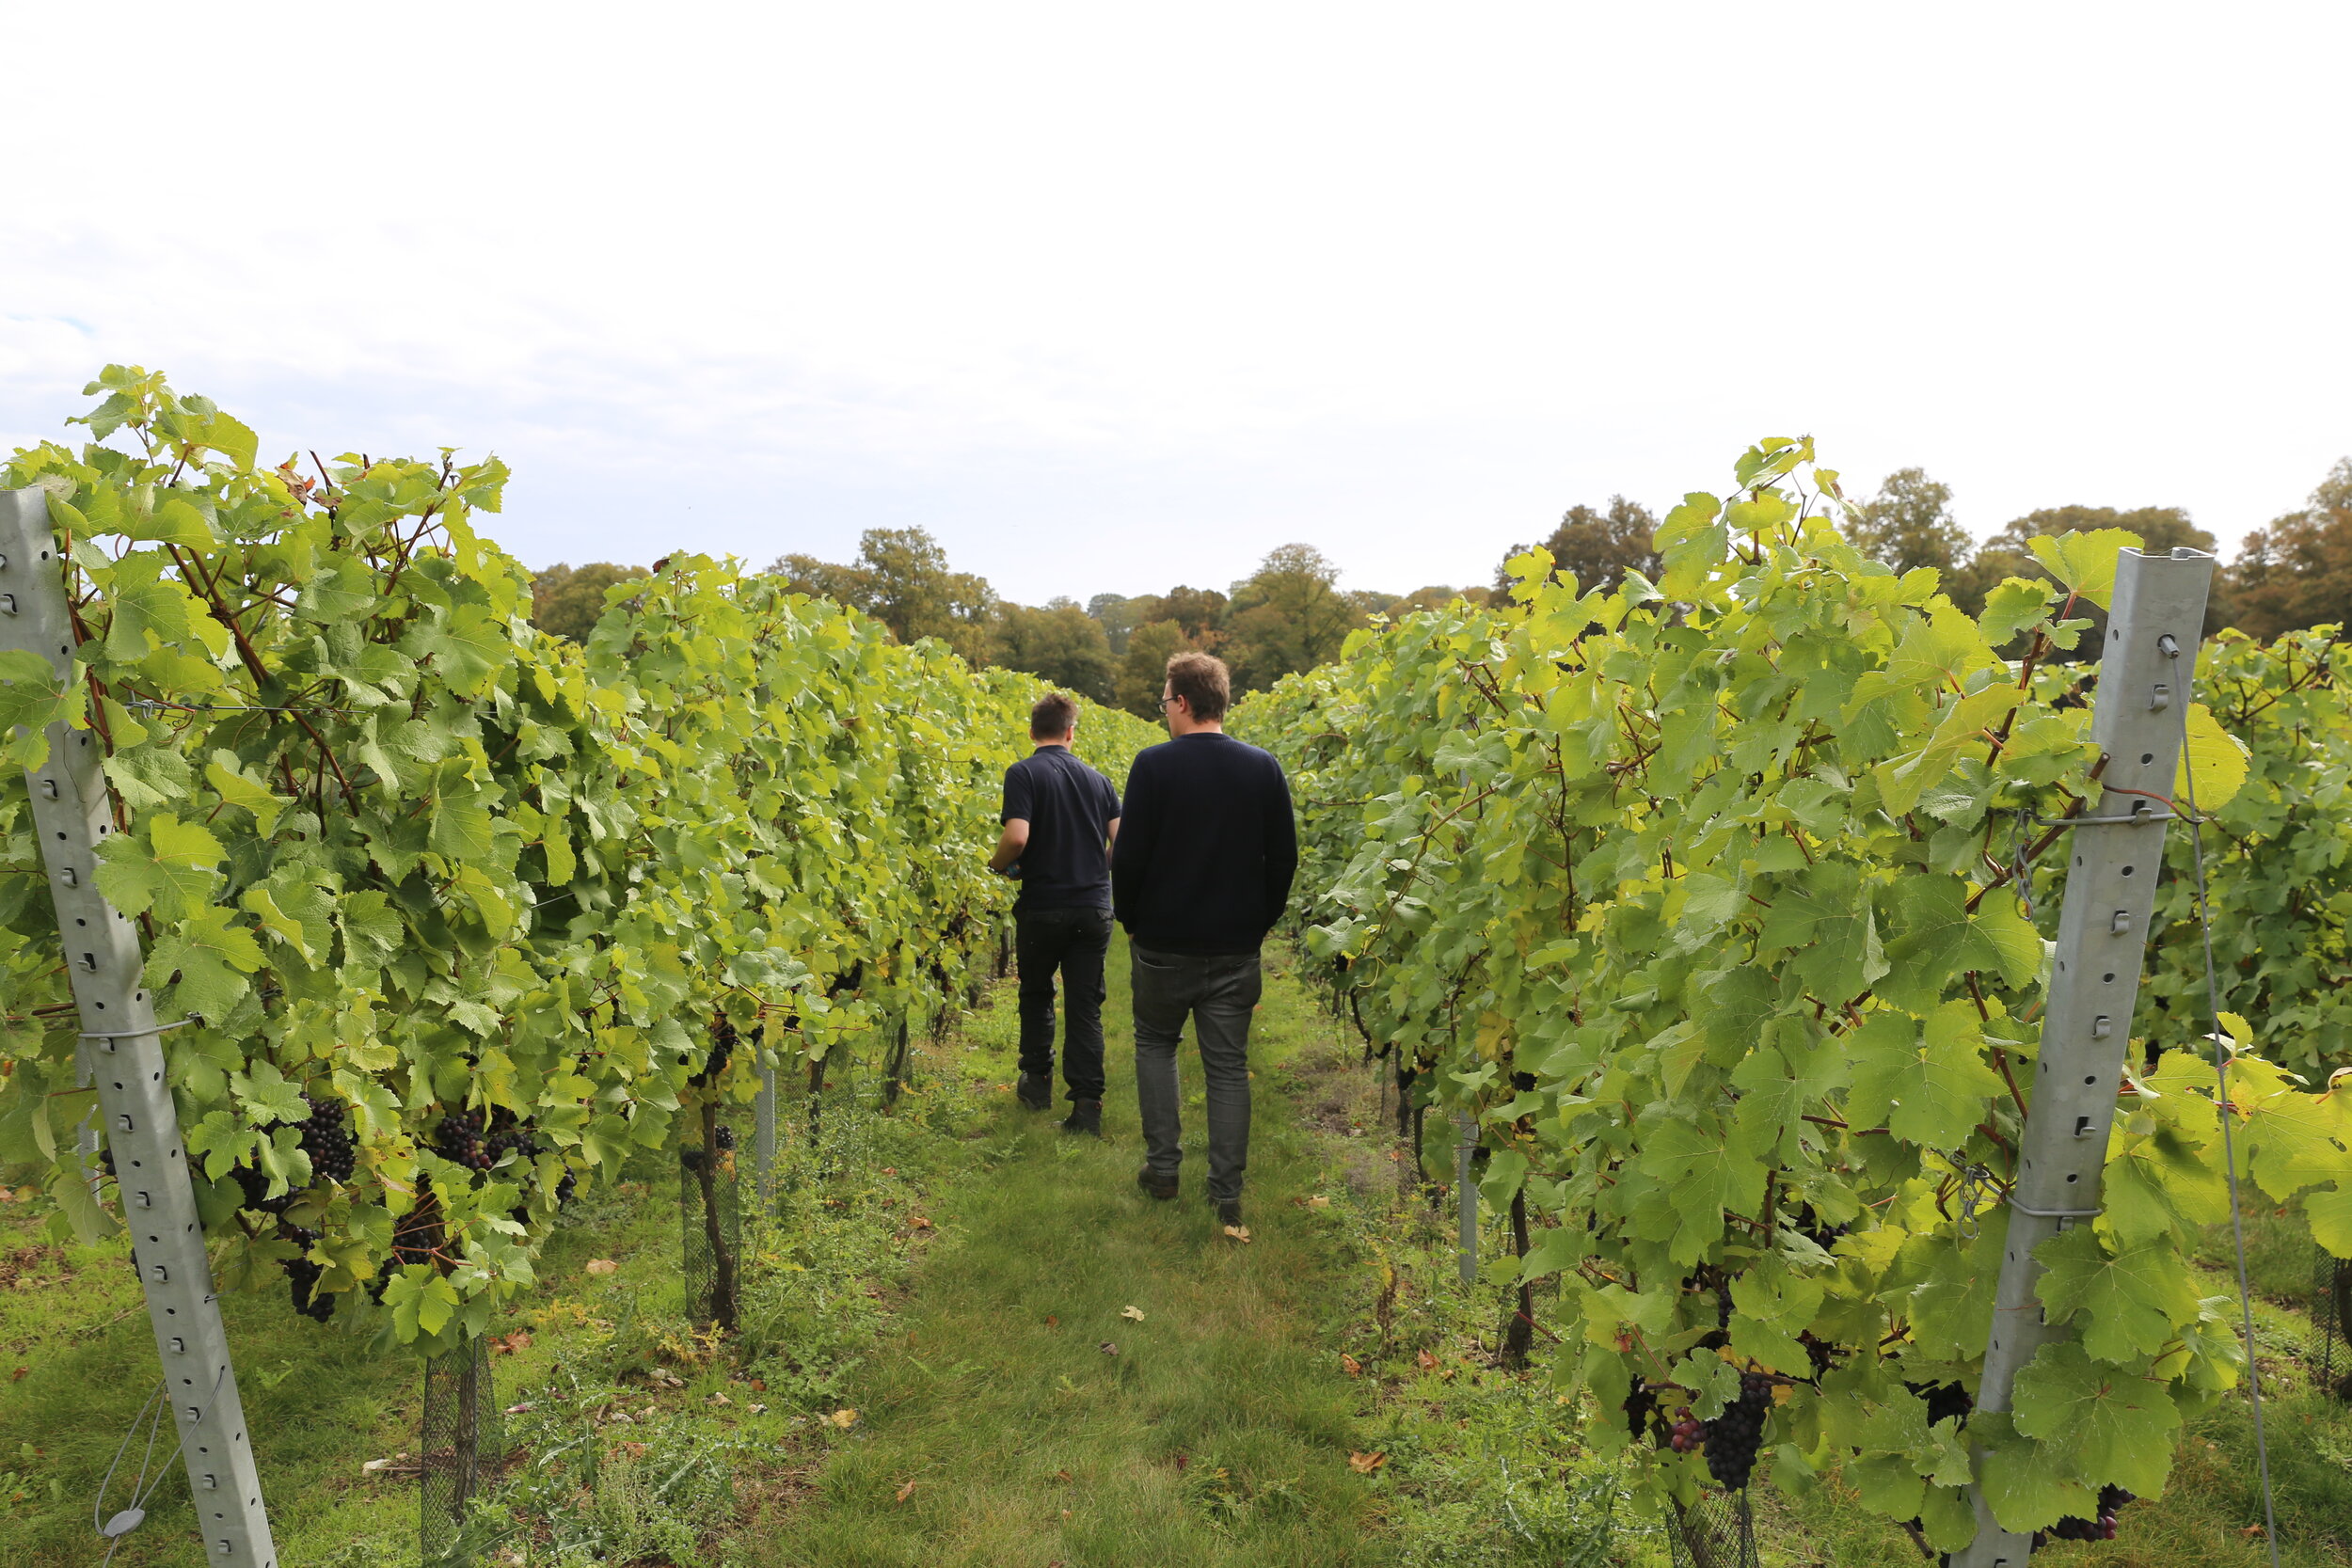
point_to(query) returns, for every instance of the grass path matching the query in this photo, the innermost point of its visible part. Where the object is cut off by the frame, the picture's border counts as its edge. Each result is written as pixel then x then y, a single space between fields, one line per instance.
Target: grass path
pixel 1000 1428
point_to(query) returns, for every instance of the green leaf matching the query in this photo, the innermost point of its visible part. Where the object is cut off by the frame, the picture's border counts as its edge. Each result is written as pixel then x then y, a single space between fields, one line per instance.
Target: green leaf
pixel 1827 920
pixel 2107 1425
pixel 170 867
pixel 267 1096
pixel 2132 1300
pixel 211 958
pixel 2084 562
pixel 1928 1083
pixel 2214 761
pixel 373 933
pixel 461 828
pixel 2011 606
pixel 32 695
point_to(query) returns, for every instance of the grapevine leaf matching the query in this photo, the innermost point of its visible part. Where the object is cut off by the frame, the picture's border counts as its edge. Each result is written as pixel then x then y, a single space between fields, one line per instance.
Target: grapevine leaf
pixel 2011 605
pixel 461 828
pixel 2214 761
pixel 1926 1083
pixel 372 934
pixel 2330 1215
pixel 168 867
pixel 241 789
pixel 222 1141
pixel 1828 920
pixel 2084 562
pixel 2132 1300
pixel 1903 779
pixel 468 647
pixel 211 958
pixel 1706 1174
pixel 1951 1308
pixel 2023 1489
pixel 2106 1424
pixel 32 695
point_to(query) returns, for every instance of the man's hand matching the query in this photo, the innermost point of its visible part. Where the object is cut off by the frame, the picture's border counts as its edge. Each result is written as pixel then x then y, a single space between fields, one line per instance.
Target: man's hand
pixel 1014 839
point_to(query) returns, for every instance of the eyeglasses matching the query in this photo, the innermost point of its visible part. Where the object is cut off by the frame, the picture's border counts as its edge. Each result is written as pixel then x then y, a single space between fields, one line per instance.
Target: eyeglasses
pixel 1167 702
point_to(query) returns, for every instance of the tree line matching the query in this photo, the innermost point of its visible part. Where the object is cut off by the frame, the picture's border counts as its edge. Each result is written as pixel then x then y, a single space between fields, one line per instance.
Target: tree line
pixel 1291 614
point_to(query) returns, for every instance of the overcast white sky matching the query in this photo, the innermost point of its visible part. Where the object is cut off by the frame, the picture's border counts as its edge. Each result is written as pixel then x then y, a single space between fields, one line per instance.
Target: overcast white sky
pixel 1113 296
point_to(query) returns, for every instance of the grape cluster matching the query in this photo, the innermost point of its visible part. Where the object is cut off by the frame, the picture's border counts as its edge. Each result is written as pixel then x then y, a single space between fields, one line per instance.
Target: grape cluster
pixel 726 1136
pixel 1943 1400
pixel 305 1275
pixel 722 1051
pixel 1687 1433
pixel 1819 1352
pixel 1638 1405
pixel 327 1138
pixel 254 1184
pixel 1733 1437
pixel 2111 1501
pixel 462 1138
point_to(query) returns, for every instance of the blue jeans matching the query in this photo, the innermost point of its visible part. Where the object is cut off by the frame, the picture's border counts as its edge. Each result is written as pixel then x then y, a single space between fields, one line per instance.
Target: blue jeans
pixel 1075 942
pixel 1218 992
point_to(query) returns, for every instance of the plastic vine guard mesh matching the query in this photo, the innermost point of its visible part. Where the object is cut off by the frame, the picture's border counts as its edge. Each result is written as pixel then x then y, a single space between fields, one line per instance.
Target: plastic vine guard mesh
pixel 710 1225
pixel 1716 1531
pixel 464 1447
pixel 2331 1324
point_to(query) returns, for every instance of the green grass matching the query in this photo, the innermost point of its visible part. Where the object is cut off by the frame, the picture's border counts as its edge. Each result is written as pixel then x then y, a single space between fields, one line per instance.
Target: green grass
pixel 952 1286
pixel 999 1430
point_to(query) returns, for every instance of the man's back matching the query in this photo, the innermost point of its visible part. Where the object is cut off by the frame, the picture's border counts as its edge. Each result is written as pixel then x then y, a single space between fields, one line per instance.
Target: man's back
pixel 1068 807
pixel 1207 847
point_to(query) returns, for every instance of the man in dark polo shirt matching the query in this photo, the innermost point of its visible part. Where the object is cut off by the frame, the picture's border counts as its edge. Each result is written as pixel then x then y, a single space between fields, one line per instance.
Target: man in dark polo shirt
pixel 1060 818
pixel 1201 874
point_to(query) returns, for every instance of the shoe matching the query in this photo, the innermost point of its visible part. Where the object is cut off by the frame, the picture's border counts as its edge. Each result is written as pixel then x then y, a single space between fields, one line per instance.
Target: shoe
pixel 1229 1211
pixel 1086 1116
pixel 1035 1092
pixel 1161 1188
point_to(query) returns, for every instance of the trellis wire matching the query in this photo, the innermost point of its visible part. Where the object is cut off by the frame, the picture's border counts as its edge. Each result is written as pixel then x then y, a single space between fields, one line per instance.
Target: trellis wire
pixel 464 1447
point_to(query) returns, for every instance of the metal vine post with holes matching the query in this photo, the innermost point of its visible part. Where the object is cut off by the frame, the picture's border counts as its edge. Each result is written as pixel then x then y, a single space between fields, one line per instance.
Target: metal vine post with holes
pixel 73 810
pixel 2113 860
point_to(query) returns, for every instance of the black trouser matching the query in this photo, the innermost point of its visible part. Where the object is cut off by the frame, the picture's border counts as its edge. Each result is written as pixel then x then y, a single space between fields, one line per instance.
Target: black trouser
pixel 1072 942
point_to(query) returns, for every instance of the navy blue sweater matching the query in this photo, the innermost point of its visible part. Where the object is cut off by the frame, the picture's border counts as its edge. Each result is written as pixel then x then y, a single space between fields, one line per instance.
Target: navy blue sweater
pixel 1206 847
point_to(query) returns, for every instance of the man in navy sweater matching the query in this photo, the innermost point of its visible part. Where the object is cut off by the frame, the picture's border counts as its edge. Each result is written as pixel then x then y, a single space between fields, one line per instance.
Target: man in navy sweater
pixel 1059 816
pixel 1201 872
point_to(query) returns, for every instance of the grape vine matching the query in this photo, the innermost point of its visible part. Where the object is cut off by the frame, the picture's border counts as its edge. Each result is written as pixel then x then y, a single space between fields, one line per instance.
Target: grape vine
pixel 1709 898
pixel 453 906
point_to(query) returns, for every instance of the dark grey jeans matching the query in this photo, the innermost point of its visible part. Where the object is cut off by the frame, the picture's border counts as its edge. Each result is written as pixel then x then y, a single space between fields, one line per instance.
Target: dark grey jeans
pixel 1219 994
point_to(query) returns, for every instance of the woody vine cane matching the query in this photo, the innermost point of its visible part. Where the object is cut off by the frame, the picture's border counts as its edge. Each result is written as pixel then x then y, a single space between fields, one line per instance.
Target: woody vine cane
pixel 73 810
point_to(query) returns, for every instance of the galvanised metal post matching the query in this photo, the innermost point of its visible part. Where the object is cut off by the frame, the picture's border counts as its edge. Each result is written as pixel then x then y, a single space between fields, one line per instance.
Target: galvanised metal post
pixel 1465 1150
pixel 73 813
pixel 764 1142
pixel 2115 853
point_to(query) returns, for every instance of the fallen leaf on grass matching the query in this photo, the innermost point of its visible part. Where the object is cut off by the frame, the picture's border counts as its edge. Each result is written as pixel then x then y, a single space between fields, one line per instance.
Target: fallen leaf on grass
pixel 721 1399
pixel 919 1223
pixel 1107 1348
pixel 1364 1463
pixel 844 1419
pixel 508 1344
pixel 1061 1475
pixel 1239 1233
pixel 1052 1321
pixel 907 1490
pixel 1183 1460
pixel 603 1266
pixel 1318 1202
pixel 519 1409
pixel 1352 1367
pixel 1133 1314
pixel 1427 1362
pixel 20 1374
